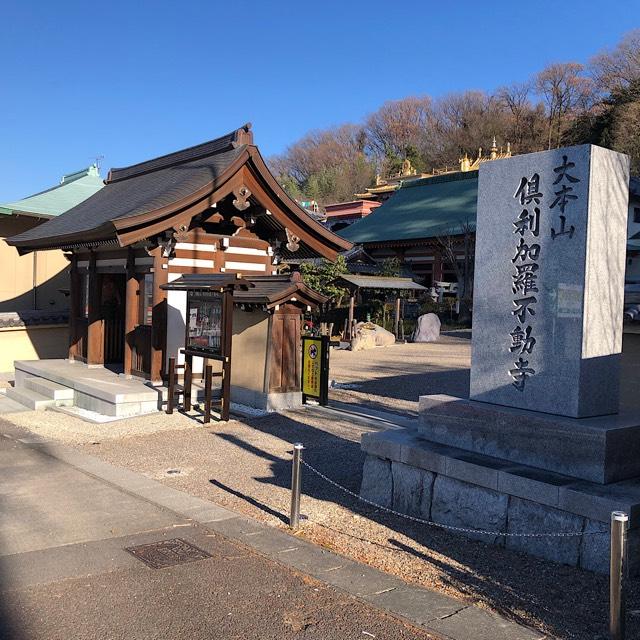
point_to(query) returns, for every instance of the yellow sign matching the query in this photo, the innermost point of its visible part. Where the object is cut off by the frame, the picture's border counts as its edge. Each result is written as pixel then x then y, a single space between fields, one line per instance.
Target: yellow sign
pixel 311 366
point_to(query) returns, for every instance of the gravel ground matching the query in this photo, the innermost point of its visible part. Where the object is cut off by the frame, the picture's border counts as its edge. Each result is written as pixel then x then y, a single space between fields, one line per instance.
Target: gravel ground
pixel 245 465
pixel 72 430
pixel 392 378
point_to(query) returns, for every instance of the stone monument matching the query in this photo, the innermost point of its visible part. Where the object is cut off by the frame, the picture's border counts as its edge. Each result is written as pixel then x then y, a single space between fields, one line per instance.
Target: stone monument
pixel 539 446
pixel 549 281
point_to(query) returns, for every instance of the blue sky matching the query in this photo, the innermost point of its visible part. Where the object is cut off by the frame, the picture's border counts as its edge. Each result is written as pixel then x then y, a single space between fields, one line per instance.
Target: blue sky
pixel 132 80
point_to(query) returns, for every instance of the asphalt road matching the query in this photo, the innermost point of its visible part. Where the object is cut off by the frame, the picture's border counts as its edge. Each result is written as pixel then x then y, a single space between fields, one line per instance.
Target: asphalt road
pixel 65 572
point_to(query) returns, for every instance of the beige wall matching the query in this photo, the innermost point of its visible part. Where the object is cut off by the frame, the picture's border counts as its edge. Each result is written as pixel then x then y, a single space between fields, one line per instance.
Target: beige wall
pixel 32 343
pixel 17 280
pixel 249 349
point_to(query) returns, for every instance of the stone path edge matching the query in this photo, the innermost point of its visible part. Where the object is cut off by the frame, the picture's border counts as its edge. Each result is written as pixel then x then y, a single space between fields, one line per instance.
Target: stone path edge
pixel 431 611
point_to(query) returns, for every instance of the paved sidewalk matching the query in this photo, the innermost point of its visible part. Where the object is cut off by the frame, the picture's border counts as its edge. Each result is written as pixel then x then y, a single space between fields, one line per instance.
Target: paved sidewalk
pixel 65 573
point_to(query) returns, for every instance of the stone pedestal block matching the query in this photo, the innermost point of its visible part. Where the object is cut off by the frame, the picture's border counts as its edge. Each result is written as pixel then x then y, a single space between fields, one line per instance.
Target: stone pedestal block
pixel 460 504
pixel 525 516
pixel 377 481
pixel 603 449
pixel 451 486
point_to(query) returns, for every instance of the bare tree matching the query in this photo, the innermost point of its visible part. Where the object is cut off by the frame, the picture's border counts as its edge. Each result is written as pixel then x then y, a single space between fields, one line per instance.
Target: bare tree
pixel 564 90
pixel 617 69
pixel 462 239
pixel 400 129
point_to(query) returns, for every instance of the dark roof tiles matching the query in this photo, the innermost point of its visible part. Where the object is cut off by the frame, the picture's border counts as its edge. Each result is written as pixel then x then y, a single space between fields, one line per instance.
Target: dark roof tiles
pixel 126 198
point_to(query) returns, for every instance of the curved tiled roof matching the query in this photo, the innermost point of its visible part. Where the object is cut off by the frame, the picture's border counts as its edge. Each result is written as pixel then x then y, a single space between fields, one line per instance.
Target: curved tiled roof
pixel 130 197
pixel 424 208
pixel 73 189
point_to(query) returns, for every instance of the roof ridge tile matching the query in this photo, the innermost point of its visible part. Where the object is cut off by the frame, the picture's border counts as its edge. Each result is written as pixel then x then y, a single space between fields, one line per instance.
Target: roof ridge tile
pixel 196 152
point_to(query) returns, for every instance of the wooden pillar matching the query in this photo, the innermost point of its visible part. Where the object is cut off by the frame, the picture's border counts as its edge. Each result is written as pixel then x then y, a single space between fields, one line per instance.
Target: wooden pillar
pixel 227 335
pixel 437 267
pixel 74 307
pixel 352 301
pixel 159 316
pixel 95 328
pixel 397 319
pixel 132 310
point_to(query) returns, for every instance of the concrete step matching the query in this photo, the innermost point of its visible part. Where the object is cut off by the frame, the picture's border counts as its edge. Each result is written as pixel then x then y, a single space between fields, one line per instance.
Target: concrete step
pixel 49 389
pixel 30 399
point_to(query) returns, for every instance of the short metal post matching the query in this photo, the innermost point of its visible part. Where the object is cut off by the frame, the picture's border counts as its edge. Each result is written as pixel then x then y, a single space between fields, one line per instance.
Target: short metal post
pixel 296 484
pixel 617 575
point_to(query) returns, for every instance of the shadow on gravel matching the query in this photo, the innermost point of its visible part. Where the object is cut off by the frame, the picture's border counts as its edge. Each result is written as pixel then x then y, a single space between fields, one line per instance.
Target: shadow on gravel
pixel 256 503
pixel 453 382
pixel 571 603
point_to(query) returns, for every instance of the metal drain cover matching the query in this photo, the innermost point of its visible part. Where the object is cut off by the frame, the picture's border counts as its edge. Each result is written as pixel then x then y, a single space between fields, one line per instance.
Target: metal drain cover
pixel 167 553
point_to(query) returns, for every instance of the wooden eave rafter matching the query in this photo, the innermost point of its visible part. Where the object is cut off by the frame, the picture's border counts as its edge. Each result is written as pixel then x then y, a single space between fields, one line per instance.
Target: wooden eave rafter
pixel 247 170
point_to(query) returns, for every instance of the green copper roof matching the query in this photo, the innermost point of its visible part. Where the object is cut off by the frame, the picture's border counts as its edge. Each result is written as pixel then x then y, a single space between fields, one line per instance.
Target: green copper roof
pixel 424 208
pixel 72 190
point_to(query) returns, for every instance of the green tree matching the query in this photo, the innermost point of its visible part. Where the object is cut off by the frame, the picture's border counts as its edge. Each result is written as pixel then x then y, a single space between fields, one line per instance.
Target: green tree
pixel 390 267
pixel 322 277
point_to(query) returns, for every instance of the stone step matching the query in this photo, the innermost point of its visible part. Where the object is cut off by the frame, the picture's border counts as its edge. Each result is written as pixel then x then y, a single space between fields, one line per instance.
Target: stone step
pixel 30 399
pixel 49 389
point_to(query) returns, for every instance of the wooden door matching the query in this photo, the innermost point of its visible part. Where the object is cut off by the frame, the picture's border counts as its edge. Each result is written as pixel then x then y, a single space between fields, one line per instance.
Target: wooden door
pixel 112 311
pixel 285 351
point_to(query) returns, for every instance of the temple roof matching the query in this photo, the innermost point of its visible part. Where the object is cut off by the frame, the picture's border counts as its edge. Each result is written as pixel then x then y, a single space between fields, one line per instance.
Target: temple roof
pixel 144 199
pixel 275 290
pixel 72 190
pixel 423 208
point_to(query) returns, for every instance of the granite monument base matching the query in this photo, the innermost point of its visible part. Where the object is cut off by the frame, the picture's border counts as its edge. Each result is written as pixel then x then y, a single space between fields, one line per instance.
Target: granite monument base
pixel 603 449
pixel 406 471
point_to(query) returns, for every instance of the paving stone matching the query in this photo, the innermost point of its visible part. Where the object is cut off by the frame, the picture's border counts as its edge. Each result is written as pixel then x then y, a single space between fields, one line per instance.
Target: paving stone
pixel 377 481
pixel 461 504
pixel 528 517
pixel 361 580
pixel 481 625
pixel 418 605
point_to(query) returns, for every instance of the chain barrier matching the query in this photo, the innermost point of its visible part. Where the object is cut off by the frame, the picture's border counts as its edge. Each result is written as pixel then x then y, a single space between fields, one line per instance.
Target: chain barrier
pixel 430 523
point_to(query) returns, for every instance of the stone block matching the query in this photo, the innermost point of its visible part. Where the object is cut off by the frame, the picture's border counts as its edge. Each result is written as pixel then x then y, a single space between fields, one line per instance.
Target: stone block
pixel 386 444
pixel 460 504
pixel 409 485
pixel 426 455
pixel 533 484
pixel 377 481
pixel 595 547
pixel 480 470
pixel 528 517
pixel 558 217
pixel 597 502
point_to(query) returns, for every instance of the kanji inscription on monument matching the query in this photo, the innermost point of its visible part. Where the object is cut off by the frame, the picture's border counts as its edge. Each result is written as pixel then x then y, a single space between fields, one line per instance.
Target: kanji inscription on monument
pixel 549 281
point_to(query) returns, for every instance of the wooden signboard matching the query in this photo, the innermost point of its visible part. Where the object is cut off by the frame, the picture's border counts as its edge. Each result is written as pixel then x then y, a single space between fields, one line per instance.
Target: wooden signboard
pixel 315 369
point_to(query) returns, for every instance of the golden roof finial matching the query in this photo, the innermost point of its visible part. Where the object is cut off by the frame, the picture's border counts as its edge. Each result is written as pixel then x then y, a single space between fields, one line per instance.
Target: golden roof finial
pixel 494 149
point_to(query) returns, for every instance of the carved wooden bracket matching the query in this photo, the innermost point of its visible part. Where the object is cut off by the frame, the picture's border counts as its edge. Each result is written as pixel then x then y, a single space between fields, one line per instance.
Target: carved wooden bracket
pixel 180 232
pixel 215 218
pixel 242 195
pixel 293 241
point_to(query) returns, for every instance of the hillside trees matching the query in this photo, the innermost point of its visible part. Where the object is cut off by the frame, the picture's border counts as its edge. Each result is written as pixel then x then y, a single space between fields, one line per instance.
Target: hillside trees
pixel 565 103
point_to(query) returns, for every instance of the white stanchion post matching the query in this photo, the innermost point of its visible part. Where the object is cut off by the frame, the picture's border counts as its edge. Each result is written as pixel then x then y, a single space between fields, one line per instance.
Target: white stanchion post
pixel 296 485
pixel 617 575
